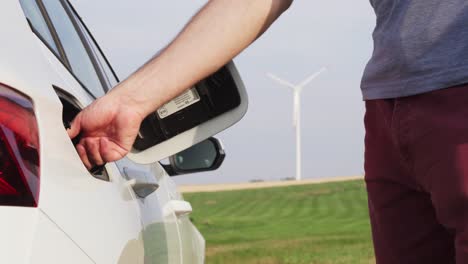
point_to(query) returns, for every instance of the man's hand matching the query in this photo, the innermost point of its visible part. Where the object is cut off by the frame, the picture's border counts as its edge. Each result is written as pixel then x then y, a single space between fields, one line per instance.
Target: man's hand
pixel 108 128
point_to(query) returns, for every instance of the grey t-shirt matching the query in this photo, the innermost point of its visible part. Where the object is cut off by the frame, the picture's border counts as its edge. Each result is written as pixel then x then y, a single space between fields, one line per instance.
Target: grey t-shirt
pixel 419 46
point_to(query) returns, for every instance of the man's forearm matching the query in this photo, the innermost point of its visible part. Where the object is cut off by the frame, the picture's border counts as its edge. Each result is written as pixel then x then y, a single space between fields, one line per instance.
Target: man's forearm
pixel 220 31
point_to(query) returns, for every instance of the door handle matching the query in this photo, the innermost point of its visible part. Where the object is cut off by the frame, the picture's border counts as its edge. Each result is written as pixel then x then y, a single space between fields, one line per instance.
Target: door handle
pixel 179 208
pixel 142 189
pixel 140 182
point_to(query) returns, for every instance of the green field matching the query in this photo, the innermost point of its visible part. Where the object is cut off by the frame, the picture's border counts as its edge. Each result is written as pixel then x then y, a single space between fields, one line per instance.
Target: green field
pixel 323 223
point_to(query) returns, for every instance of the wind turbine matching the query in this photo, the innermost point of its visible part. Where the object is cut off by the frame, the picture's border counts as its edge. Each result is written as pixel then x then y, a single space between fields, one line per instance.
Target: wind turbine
pixel 297 112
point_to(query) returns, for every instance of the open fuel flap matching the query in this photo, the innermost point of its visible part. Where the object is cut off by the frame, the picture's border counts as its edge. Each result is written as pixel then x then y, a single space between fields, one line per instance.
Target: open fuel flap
pixel 211 106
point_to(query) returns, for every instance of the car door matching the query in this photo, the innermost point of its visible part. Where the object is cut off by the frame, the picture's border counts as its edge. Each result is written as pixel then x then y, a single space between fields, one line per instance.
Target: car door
pixel 98 211
pixel 192 242
pixel 161 236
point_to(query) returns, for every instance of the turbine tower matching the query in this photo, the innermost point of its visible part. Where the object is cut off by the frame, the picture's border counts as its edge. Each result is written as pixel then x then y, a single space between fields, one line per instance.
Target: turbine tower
pixel 297 113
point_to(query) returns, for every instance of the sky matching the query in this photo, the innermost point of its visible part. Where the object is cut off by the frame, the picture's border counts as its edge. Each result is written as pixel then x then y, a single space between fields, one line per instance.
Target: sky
pixel 310 35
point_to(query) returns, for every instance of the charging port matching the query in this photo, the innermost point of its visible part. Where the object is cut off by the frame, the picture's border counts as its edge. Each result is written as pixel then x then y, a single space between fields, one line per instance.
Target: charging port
pixel 70 110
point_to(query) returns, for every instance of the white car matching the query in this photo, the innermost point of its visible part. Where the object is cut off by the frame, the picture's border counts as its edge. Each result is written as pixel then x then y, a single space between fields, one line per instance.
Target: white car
pixel 52 209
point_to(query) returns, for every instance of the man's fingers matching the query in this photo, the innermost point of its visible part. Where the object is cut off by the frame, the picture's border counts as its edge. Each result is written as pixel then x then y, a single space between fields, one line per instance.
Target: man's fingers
pixel 84 158
pixel 111 151
pixel 75 127
pixel 98 151
pixel 92 146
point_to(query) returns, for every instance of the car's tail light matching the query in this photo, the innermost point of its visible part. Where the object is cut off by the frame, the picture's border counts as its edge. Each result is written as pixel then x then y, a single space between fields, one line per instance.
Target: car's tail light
pixel 19 150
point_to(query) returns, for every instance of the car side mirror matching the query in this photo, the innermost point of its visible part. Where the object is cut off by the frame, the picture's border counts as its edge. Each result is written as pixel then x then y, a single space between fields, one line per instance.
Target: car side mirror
pixel 207 155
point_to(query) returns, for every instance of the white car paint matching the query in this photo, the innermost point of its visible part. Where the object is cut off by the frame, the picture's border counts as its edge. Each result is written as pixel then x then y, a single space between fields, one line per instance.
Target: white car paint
pixel 80 219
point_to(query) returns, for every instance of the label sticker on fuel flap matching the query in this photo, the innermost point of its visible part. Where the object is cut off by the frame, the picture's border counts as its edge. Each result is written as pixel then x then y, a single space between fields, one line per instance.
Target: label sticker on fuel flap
pixel 182 101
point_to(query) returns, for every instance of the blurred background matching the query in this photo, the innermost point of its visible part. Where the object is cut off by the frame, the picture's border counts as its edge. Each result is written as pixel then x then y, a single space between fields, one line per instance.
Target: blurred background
pixel 311 35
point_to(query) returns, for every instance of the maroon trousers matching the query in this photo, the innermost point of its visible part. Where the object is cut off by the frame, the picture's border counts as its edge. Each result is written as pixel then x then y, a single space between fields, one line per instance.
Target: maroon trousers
pixel 416 165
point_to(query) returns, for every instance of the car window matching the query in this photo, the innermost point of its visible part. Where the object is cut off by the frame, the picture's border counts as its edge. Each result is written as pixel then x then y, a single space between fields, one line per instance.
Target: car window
pixel 97 52
pixel 38 23
pixel 80 62
pixel 110 77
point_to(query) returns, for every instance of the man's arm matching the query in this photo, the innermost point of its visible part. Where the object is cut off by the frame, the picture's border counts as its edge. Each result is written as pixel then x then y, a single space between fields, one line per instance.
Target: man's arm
pixel 219 32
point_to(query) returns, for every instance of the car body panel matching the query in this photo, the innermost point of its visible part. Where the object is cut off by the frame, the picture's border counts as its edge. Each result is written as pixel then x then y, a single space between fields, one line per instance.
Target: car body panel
pixel 18 225
pixel 52 246
pixel 31 237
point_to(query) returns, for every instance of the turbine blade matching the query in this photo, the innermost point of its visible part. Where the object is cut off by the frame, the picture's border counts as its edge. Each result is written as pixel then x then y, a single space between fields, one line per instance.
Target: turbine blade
pixel 281 81
pixel 311 78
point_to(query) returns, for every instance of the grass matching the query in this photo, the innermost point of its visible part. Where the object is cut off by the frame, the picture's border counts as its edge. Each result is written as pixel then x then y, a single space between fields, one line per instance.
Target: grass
pixel 320 224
